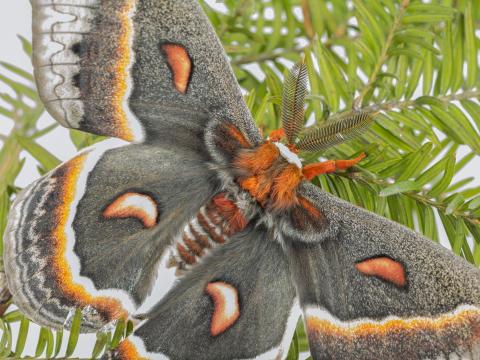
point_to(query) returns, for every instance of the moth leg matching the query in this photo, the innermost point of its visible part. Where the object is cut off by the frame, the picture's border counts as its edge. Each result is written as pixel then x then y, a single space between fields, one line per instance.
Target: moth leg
pixel 325 167
pixel 347 164
pixel 277 135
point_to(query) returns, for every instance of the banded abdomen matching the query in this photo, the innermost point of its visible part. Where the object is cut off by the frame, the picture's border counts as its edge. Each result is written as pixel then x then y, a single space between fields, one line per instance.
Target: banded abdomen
pixel 212 226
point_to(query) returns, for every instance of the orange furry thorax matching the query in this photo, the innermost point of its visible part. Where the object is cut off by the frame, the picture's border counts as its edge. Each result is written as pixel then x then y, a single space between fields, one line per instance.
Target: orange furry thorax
pixel 267 176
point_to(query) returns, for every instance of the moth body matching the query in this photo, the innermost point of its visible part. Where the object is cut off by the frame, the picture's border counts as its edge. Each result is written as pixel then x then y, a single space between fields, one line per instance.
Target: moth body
pixel 212 226
pixel 260 186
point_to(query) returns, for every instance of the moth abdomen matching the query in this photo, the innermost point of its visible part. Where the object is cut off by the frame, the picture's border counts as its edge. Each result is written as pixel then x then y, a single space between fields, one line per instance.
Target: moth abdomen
pixel 212 226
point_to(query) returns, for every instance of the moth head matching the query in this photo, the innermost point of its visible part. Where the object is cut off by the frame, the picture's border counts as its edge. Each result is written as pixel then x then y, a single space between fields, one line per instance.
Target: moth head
pixel 272 170
pixel 332 131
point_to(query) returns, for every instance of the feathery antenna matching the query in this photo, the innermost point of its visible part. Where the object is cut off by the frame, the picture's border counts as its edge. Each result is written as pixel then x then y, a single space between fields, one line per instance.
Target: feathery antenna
pixel 293 101
pixel 337 131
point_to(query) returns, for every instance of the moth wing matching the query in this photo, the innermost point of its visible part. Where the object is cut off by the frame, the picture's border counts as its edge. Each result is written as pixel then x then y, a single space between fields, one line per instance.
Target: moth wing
pixel 133 69
pixel 373 289
pixel 238 304
pixel 91 233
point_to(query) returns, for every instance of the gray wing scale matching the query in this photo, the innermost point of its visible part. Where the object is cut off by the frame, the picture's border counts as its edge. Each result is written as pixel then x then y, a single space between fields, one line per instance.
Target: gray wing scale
pixel 180 326
pixel 376 289
pixel 95 229
pixel 103 67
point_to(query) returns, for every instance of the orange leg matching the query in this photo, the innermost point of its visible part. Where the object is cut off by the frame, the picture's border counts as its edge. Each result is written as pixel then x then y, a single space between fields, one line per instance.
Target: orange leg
pixel 277 135
pixel 312 170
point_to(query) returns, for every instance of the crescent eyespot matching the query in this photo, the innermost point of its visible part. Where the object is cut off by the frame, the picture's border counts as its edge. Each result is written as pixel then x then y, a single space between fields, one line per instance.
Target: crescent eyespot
pixel 226 306
pixel 134 205
pixel 180 65
pixel 384 268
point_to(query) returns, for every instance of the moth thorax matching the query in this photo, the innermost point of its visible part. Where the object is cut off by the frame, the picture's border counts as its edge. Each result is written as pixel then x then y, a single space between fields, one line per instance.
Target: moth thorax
pixel 288 155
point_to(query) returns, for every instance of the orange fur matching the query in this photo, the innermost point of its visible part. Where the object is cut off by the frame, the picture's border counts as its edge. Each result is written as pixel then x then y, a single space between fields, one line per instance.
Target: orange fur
pixel 237 222
pixel 259 186
pixel 250 184
pixel 186 255
pixel 224 205
pixel 277 134
pixel 127 351
pixel 230 212
pixel 209 229
pixel 265 184
pixel 268 176
pixel 283 191
pixel 292 148
pixel 346 164
pixel 312 170
pixel 201 239
pixel 192 245
pixel 259 159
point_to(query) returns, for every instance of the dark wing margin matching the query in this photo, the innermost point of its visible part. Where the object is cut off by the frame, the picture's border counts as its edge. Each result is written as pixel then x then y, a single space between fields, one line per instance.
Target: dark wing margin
pixel 376 289
pixel 91 233
pixel 124 68
pixel 238 304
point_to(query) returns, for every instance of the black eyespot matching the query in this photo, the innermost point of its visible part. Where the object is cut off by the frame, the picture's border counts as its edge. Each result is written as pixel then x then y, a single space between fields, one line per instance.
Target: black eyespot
pixel 76 80
pixel 77 49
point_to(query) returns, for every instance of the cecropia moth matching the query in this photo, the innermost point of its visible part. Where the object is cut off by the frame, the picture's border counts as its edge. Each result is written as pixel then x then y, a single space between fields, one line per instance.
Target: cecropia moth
pixel 195 188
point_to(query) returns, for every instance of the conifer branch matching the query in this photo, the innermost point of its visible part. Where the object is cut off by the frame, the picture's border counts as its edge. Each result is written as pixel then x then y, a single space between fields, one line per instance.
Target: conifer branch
pixel 383 56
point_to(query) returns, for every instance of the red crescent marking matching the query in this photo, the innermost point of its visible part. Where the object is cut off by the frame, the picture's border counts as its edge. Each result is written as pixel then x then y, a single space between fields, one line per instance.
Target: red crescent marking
pixel 384 268
pixel 226 307
pixel 133 205
pixel 180 65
